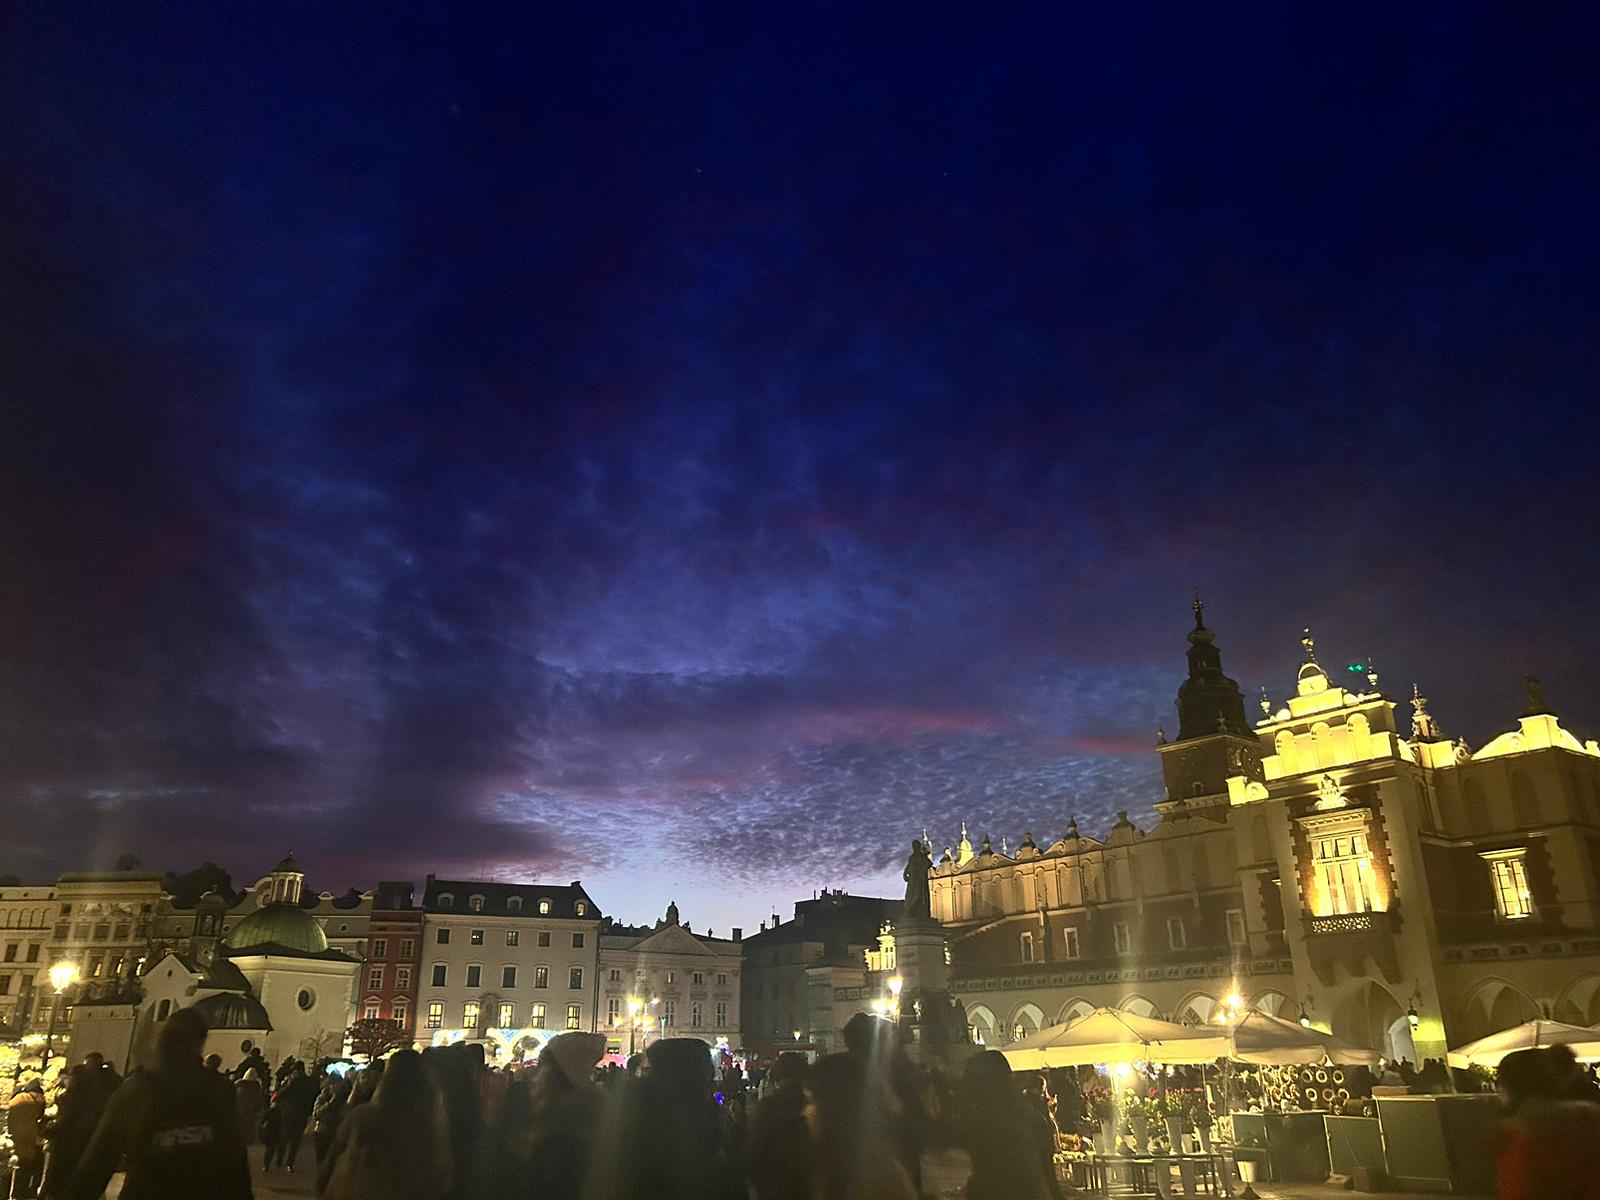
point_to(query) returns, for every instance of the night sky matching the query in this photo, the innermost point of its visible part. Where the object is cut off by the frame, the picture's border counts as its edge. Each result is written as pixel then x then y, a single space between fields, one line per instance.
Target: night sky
pixel 692 448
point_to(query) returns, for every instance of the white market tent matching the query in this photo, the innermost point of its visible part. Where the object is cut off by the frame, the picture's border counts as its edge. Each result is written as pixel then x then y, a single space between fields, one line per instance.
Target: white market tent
pixel 1266 1040
pixel 1109 1035
pixel 1530 1035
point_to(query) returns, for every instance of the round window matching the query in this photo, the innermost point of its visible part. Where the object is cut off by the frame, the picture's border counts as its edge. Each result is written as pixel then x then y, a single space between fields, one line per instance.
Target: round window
pixel 246 1046
pixel 344 929
pixel 305 999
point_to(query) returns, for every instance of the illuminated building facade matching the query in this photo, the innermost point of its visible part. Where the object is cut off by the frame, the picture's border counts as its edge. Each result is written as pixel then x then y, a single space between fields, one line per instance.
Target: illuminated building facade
pixel 667 981
pixel 507 964
pixel 1393 885
pixel 391 973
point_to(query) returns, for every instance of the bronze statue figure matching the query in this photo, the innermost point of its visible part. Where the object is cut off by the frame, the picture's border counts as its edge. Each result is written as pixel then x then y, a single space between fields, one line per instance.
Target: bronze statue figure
pixel 918 865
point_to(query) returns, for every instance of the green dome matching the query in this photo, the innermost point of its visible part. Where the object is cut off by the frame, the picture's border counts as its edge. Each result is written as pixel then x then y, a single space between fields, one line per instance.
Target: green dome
pixel 286 925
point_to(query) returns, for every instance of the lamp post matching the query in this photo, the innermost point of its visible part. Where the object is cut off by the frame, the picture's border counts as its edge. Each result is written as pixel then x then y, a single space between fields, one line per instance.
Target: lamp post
pixel 62 976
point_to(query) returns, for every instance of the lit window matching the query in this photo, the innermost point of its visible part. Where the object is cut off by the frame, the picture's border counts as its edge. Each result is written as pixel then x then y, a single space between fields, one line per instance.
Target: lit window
pixel 541 977
pixel 672 977
pixel 1508 871
pixel 505 1015
pixel 1121 938
pixel 1027 947
pixel 1177 936
pixel 475 903
pixel 1344 874
pixel 476 937
pixel 536 1018
pixel 513 937
pixel 581 908
pixel 469 1014
pixel 1073 948
pixel 1236 934
pixel 544 908
pixel 397 1006
pixel 574 1017
pixel 435 1015
pixel 372 1010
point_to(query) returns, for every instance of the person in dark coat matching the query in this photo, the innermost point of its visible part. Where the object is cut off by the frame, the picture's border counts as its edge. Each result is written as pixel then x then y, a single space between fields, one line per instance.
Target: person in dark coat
pixel 297 1097
pixel 1011 1144
pixel 174 1127
pixel 779 1140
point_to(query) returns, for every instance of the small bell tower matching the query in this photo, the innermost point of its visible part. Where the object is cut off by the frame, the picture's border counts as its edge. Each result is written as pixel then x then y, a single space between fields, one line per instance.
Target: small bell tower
pixel 1214 739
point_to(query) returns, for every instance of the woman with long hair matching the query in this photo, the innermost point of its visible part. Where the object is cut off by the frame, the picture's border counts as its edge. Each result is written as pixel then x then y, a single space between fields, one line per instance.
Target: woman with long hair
pixel 397 1146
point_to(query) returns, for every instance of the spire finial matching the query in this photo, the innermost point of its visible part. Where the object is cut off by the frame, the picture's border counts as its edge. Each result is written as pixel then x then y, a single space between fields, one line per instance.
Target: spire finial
pixel 1199 607
pixel 1372 673
pixel 1535 693
pixel 1423 727
pixel 1161 735
pixel 1266 704
pixel 1309 643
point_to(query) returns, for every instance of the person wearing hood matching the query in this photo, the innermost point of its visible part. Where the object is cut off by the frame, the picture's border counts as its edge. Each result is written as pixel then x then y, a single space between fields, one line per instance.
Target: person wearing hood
pixel 778 1144
pixel 561 1110
pixel 25 1120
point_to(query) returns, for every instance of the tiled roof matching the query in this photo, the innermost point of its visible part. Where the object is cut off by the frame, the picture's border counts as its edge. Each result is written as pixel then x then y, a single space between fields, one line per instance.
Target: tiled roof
pixel 507 899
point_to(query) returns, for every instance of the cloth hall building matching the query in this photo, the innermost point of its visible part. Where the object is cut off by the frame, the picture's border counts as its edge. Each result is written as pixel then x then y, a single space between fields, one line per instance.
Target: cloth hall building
pixel 1391 884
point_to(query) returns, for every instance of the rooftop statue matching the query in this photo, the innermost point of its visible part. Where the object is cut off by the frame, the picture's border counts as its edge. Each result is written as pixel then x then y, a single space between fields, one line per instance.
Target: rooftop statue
pixel 916 876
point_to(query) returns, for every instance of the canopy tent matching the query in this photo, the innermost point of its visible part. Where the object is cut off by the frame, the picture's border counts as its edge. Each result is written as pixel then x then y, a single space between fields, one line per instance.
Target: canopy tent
pixel 1530 1035
pixel 1109 1035
pixel 1271 1041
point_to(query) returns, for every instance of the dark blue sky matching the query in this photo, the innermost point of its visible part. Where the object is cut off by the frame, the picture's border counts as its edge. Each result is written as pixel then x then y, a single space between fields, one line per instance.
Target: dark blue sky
pixel 694 448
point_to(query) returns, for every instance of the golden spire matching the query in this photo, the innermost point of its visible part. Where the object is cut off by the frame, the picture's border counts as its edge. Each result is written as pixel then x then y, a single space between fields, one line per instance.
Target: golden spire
pixel 1309 643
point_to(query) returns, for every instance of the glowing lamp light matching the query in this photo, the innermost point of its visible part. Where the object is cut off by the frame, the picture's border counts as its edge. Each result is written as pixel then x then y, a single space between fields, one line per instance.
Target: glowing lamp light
pixel 1412 1019
pixel 1305 1021
pixel 63 975
pixel 1235 1001
pixel 895 984
pixel 1121 1070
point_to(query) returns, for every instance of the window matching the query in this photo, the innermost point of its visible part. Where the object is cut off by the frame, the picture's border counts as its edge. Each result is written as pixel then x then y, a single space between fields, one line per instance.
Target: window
pixel 577 941
pixel 505 1017
pixel 1027 947
pixel 407 948
pixel 536 1019
pixel 1073 948
pixel 399 1008
pixel 1177 936
pixel 574 1017
pixel 580 908
pixel 380 947
pixel 402 977
pixel 371 1010
pixel 544 908
pixel 121 931
pixel 508 977
pixel 722 980
pixel 33 952
pixel 1236 934
pixel 1344 882
pixel 575 978
pixel 469 1014
pixel 5 985
pixel 375 978
pixel 80 931
pixel 669 1013
pixel 514 904
pixel 513 937
pixel 442 937
pixel 541 977
pixel 445 900
pixel 697 978
pixel 1508 871
pixel 615 976
pixel 439 973
pixel 544 937
pixel 476 937
pixel 1121 938
pixel 11 956
pixel 102 931
pixel 475 903
pixel 672 977
pixel 696 1012
pixel 613 1011
pixel 722 1014
pixel 474 976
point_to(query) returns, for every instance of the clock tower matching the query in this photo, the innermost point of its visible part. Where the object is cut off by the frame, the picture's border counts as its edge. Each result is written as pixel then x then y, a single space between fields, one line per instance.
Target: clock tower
pixel 1214 739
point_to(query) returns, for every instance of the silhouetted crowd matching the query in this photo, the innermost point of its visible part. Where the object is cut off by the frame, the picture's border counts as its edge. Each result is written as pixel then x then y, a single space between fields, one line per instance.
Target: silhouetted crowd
pixel 442 1125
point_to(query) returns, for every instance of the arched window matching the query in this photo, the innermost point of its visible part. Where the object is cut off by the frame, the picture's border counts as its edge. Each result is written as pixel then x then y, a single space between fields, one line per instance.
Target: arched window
pixel 445 900
pixel 514 904
pixel 475 903
pixel 163 1010
pixel 544 908
pixel 581 908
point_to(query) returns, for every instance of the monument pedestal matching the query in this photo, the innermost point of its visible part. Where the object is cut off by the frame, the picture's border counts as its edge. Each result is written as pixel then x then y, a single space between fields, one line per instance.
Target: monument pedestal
pixel 936 1026
pixel 919 949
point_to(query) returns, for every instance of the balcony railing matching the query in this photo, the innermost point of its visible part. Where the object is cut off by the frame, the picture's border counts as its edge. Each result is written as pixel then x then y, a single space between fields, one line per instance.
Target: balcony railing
pixel 1357 922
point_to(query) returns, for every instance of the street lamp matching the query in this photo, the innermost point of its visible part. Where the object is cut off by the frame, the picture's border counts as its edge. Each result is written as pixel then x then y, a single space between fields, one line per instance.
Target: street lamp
pixel 62 976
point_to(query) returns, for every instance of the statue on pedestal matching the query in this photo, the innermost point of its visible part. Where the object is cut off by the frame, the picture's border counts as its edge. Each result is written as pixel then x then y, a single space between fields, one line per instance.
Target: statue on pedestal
pixel 918 904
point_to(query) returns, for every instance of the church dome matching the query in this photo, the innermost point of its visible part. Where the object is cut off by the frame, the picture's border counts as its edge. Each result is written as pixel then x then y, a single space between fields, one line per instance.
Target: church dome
pixel 286 925
pixel 233 1010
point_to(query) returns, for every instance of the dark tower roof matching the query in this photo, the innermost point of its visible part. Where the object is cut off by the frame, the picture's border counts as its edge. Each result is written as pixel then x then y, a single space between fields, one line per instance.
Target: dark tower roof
pixel 1208 701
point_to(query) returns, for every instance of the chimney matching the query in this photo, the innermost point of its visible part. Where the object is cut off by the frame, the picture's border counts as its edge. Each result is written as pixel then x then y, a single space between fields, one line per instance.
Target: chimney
pixel 774 920
pixel 738 933
pixel 763 927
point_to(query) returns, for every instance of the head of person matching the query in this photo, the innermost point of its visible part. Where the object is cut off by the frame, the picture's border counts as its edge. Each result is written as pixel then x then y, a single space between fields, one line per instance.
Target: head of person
pixel 182 1039
pixel 213 1062
pixel 789 1070
pixel 567 1063
pixel 987 1080
pixel 1523 1076
pixel 867 1034
pixel 681 1066
pixel 94 1060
